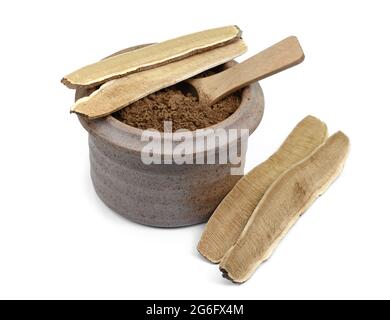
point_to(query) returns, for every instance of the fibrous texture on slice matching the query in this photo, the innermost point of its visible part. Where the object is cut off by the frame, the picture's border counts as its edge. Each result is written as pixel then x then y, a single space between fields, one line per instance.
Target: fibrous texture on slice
pixel 284 202
pixel 119 93
pixel 151 56
pixel 233 213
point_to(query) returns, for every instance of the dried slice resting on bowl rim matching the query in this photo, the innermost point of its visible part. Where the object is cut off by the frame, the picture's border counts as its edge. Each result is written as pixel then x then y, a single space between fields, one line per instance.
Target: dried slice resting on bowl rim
pixel 151 56
pixel 119 93
pixel 233 213
pixel 284 202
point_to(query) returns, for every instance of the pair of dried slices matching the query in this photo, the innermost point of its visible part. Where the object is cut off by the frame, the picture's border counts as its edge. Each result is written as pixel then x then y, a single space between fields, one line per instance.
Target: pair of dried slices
pixel 252 219
pixel 133 74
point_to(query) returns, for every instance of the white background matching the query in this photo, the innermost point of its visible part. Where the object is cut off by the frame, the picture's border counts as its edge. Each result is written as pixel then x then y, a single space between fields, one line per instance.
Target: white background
pixel 57 239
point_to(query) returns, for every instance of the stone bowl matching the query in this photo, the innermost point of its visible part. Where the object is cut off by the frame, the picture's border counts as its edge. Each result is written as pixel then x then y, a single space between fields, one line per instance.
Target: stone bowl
pixel 163 195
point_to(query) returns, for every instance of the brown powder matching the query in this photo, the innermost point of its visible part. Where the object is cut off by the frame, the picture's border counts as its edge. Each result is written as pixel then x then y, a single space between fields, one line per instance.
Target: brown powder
pixel 183 109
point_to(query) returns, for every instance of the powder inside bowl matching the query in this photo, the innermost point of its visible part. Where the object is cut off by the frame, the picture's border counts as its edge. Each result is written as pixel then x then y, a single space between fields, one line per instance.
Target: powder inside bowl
pixel 183 109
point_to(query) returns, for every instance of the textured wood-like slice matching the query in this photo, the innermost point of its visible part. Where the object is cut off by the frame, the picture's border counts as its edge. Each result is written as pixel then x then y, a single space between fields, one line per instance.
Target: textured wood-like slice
pixel 119 93
pixel 233 213
pixel 151 56
pixel 284 202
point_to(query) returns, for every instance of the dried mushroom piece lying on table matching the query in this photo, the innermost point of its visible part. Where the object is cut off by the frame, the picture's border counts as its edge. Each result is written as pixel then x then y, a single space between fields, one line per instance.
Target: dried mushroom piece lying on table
pixel 284 202
pixel 233 213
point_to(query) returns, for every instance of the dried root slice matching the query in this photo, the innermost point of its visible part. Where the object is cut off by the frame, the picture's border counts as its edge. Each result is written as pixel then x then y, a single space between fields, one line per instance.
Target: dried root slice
pixel 284 202
pixel 233 213
pixel 151 56
pixel 119 93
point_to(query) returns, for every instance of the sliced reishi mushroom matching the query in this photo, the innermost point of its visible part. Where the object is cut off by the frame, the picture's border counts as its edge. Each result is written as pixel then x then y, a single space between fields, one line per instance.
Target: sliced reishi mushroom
pixel 283 203
pixel 233 213
pixel 119 93
pixel 151 56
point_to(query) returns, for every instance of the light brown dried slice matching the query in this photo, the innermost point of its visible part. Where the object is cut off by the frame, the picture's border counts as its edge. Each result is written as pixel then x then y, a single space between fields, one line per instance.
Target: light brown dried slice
pixel 151 56
pixel 119 93
pixel 284 202
pixel 233 213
